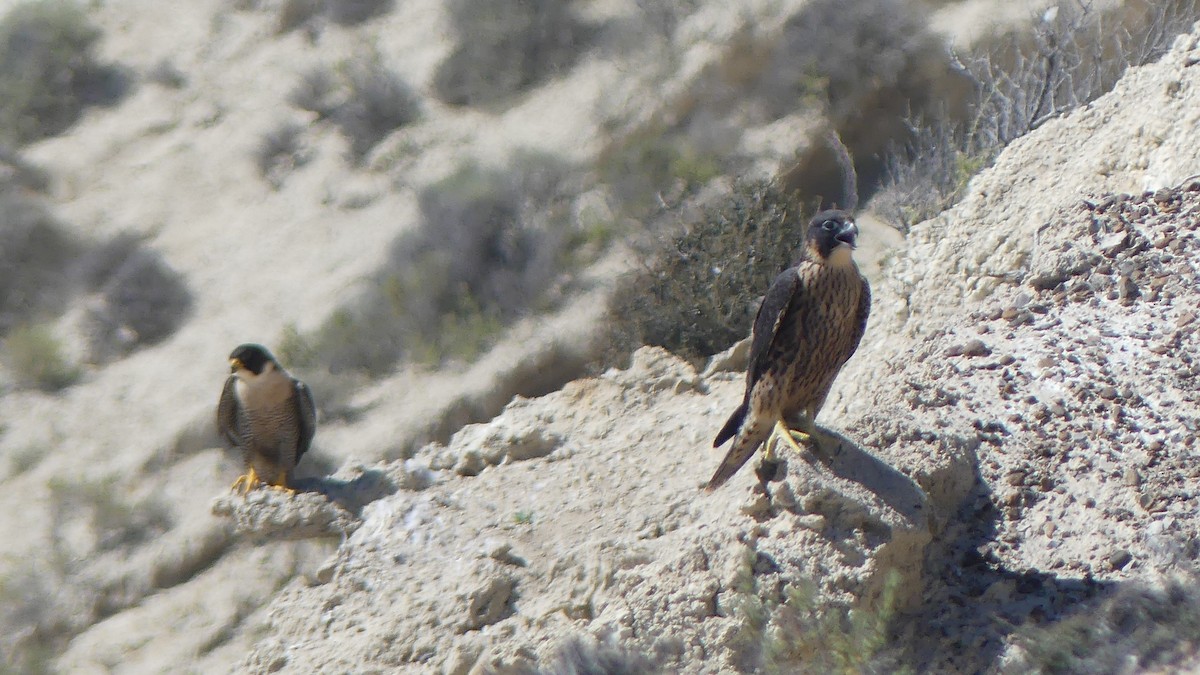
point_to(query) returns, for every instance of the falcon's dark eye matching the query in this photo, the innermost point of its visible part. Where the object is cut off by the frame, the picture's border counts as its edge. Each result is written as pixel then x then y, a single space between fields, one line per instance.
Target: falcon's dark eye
pixel 829 225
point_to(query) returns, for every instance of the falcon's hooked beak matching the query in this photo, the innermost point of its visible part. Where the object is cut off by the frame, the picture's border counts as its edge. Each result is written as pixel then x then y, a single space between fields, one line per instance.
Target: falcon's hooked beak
pixel 848 234
pixel 235 365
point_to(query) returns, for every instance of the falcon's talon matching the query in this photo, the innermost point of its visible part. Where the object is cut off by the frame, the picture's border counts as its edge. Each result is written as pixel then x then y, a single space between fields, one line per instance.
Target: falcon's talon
pixel 281 484
pixel 793 437
pixel 249 480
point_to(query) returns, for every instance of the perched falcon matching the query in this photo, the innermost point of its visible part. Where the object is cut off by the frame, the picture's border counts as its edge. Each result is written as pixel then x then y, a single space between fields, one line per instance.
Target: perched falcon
pixel 808 326
pixel 268 414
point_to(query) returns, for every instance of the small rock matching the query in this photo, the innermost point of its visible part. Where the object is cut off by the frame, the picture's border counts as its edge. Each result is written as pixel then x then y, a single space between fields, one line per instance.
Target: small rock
pixel 1131 477
pixel 470 463
pixel 1119 558
pixel 501 551
pixel 759 504
pixel 813 521
pixel 974 347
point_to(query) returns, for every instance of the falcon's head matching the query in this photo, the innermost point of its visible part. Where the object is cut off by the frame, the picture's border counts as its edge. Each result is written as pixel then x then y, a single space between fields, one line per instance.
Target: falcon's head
pixel 832 235
pixel 251 360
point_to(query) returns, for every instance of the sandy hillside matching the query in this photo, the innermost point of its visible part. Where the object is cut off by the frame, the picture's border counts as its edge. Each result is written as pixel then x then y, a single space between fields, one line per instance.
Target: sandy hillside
pixel 569 526
pixel 113 476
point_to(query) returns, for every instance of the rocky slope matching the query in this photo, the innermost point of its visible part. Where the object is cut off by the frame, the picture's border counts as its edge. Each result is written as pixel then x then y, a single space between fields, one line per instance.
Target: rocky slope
pixel 1017 440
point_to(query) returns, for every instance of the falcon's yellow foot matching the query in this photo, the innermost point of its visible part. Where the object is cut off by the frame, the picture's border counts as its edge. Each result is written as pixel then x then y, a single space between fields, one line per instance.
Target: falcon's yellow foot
pixel 250 480
pixel 791 436
pixel 280 484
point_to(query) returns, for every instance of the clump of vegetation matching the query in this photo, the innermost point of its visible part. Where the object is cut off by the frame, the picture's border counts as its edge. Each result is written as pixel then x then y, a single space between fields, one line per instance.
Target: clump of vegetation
pixel 140 299
pixel 377 103
pixel 355 12
pixel 579 657
pixel 698 293
pixel 48 70
pixel 363 97
pixel 1140 628
pixel 294 14
pixel 166 74
pixel 34 250
pixel 30 616
pixel 1020 80
pixel 793 630
pixel 489 248
pixel 35 357
pixel 113 518
pixel 316 91
pixel 807 637
pixel 503 47
pixel 280 152
pixel 653 166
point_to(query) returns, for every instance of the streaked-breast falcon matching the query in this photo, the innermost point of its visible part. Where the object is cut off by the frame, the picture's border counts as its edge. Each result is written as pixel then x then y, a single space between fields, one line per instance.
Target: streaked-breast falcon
pixel 808 325
pixel 266 413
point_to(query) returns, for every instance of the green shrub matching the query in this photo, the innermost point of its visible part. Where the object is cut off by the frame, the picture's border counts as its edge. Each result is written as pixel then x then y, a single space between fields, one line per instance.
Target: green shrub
pixel 166 74
pixel 317 92
pixel 504 46
pixel 697 294
pixel 807 637
pixel 294 14
pixel 34 356
pixel 868 65
pixel 48 70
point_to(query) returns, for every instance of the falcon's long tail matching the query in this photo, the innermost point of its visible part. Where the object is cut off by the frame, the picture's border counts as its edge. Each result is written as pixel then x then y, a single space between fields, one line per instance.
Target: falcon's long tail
pixel 732 425
pixel 749 438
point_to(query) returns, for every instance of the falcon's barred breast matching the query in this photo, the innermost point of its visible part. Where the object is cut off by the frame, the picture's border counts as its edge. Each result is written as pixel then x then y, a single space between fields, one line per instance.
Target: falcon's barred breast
pixel 809 324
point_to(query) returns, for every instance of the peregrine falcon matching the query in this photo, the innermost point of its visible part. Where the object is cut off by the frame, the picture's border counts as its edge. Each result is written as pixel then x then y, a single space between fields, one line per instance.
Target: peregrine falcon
pixel 268 414
pixel 807 327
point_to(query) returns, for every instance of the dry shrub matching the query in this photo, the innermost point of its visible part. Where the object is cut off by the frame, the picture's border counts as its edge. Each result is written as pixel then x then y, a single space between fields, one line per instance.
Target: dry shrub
pixel 490 247
pixel 362 96
pixel 503 47
pixel 48 70
pixel 697 294
pixel 34 250
pixel 1070 56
